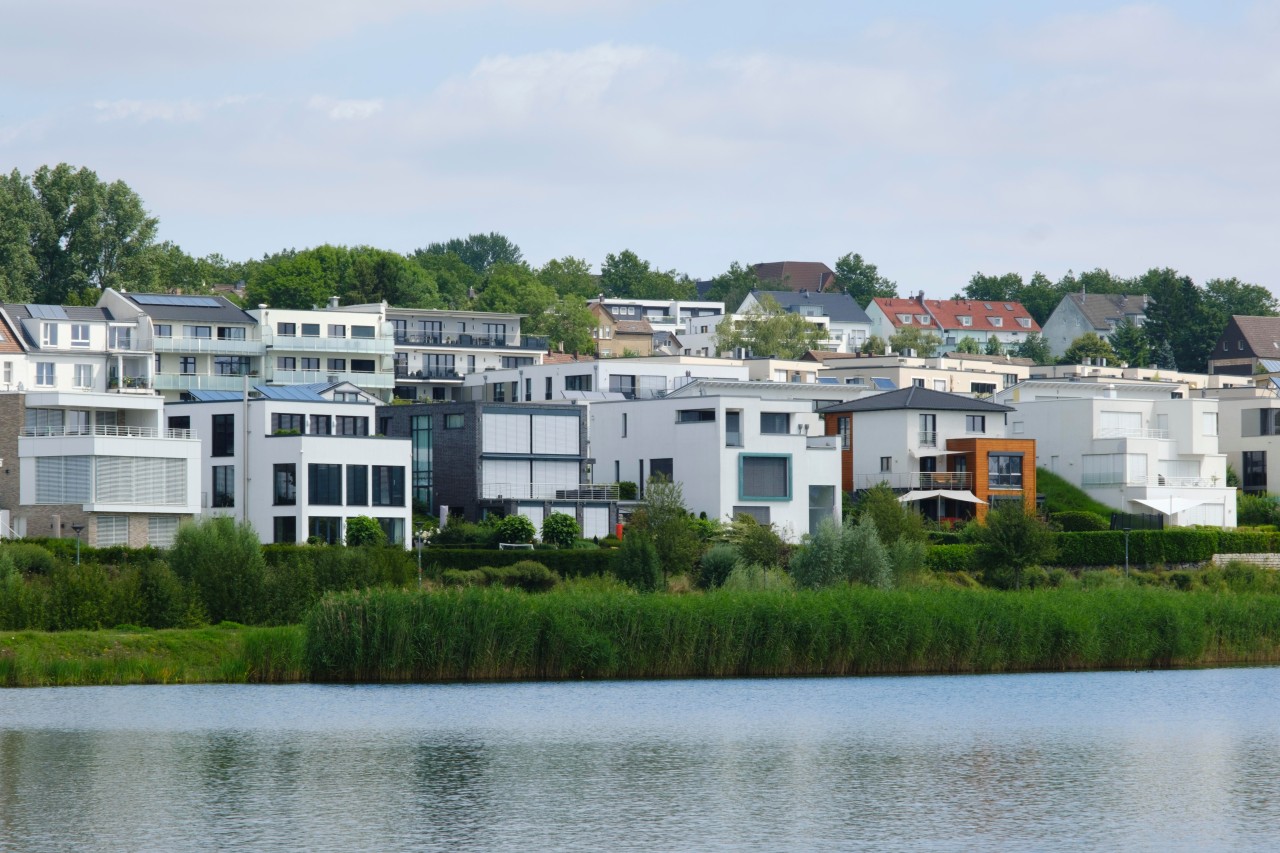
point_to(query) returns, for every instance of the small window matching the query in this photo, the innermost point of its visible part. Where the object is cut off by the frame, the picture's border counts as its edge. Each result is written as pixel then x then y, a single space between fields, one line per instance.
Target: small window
pixel 287 330
pixel 1018 428
pixel 695 416
pixel 284 485
pixel 975 423
pixel 310 363
pixel 624 424
pixel 49 335
pixel 311 330
pixel 187 364
pixel 44 374
pixel 283 422
pixel 224 485
pixel 904 319
pixel 886 464
pixel 453 421
pixel 357 485
pixel 84 375
pixel 201 332
pixel 1240 346
pixel 164 330
pixel 775 423
pixel 285 528
pixel 996 321
pixel 224 435
pixel 765 477
pixel 966 320
pixel 362 331
pixel 286 362
pixel 231 333
pixel 733 429
pixel 80 334
pixel 337 331
pixel 351 425
pixel 1024 322
pixel 321 425
pixel 338 364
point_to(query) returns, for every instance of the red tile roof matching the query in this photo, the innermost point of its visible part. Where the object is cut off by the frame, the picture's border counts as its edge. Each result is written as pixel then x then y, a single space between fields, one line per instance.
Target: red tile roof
pixel 945 314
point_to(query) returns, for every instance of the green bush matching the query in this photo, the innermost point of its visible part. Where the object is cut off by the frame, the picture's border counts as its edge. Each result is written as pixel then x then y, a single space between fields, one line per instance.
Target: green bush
pixel 1146 547
pixel 464 577
pixel 32 559
pixel 1078 521
pixel 159 599
pixel 79 597
pixel 820 561
pixel 224 561
pixel 1256 509
pixel 1010 540
pixel 627 490
pixel 950 558
pixel 528 575
pixel 289 586
pixel 515 529
pixel 717 563
pixel 757 543
pixel 750 576
pixel 560 529
pixel 362 531
pixel 637 563
pixel 460 532
pixel 568 564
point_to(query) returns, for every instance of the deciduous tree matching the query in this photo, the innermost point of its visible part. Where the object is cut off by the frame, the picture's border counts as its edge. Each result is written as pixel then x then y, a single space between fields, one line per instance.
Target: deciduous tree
pixel 478 251
pixel 1090 346
pixel 1129 343
pixel 768 330
pixel 862 280
pixel 906 338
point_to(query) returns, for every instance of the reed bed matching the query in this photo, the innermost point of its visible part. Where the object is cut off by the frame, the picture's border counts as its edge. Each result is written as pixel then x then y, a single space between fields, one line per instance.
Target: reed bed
pixel 487 634
pixel 227 653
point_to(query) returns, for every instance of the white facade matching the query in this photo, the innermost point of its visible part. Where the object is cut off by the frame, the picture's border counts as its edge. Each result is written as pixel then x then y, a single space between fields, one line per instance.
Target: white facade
pixel 664 315
pixel 732 454
pixel 1137 447
pixel 300 465
pixel 1249 434
pixel 641 378
pixel 330 345
pixel 953 373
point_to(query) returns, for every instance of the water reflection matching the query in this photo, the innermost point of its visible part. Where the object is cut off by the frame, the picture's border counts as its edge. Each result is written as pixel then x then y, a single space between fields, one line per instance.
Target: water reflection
pixel 1082 761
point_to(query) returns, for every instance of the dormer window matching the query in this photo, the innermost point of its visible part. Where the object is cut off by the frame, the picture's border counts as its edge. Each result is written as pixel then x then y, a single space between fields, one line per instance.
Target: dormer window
pixel 922 319
pixel 1024 322
pixel 905 319
pixel 996 321
pixel 966 320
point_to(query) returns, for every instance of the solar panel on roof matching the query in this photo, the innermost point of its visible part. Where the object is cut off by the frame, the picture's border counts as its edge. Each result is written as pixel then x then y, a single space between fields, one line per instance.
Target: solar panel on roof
pixel 182 301
pixel 1270 364
pixel 884 384
pixel 47 312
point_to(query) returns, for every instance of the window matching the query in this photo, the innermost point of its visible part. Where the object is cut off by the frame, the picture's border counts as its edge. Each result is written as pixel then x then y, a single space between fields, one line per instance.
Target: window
pixel 362 331
pixel 886 464
pixel 394 530
pixel 1254 475
pixel 775 423
pixel 161 530
pixel 996 321
pixel 311 330
pixel 347 397
pixel 62 479
pixel 547 393
pixel 224 485
pixel 624 424
pixel 307 363
pixel 112 530
pixel 337 331
pixel 384 425
pixel 975 423
pixel 499 392
pixel 44 373
pixel 180 422
pixel 284 422
pixel 422 440
pixel 578 383
pixel 164 330
pixel 338 364
pixel 362 365
pixel 352 425
pixel 982 388
pixel 286 362
pixel 732 429
pixel 1240 346
pixel 357 485
pixel 327 529
pixel 453 421
pixel 1004 471
pixel 321 425
pixel 80 334
pixel 284 484
pixel 231 333
pixel 8 373
pixel 1210 423
pixel 287 330
pixel 764 477
pixel 663 467
pixel 966 320
pixel 1018 428
pixel 928 430
pixel 224 435
pixel 231 365
pixel 822 506
pixel 203 332
pixel 904 319
pixel 842 429
pixel 49 334
pixel 157 362
pixel 695 416
pixel 84 375
pixel 759 513
pixel 187 364
pixel 324 484
pixel 922 319
pixel 388 485
pixel 285 529
pixel 1024 322
pixel 940 385
pixel 516 361
pixel 918 383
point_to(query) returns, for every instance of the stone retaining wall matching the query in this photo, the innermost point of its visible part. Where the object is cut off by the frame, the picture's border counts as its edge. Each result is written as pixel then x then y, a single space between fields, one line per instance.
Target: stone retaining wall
pixel 1267 561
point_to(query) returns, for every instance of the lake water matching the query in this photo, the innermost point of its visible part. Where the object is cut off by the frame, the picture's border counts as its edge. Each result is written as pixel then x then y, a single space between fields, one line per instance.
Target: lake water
pixel 1112 761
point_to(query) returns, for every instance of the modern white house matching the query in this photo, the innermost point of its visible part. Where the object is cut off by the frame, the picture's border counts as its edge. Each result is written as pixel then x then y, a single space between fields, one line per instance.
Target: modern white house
pixel 733 452
pixel 330 345
pixel 1100 313
pixel 664 315
pixel 952 372
pixel 298 461
pixel 1249 434
pixel 642 378
pixel 1139 447
pixel 953 320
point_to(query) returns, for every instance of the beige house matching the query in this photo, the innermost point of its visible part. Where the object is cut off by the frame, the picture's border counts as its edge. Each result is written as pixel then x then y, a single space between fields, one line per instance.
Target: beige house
pixel 952 373
pixel 616 337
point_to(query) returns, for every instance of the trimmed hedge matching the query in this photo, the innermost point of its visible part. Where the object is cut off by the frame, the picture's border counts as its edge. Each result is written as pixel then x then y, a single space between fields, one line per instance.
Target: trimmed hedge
pixel 567 564
pixel 951 558
pixel 1146 547
pixel 1079 521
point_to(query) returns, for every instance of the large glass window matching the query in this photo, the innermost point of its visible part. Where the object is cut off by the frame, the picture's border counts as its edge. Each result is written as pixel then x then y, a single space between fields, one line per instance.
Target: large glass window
pixel 285 529
pixel 352 425
pixel 224 435
pixel 420 434
pixel 284 484
pixel 362 331
pixel 394 530
pixel 287 330
pixel 775 423
pixel 231 333
pixel 327 529
pixel 765 477
pixel 224 485
pixel 578 383
pixel 197 331
pixel 311 330
pixel 362 365
pixel 695 416
pixel 1004 471
pixel 662 467
pixel 357 485
pixel 283 422
pixel 231 365
pixel 928 430
pixel 310 362
pixel 1254 475
pixel 321 425
pixel 388 485
pixel 324 484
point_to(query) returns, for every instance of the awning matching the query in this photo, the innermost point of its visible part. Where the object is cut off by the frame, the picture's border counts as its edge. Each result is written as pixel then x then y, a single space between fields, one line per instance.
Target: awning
pixel 968 497
pixel 1168 506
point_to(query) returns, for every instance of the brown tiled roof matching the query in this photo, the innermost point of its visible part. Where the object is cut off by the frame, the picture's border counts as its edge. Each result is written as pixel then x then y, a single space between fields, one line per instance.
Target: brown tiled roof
pixel 1104 310
pixel 632 327
pixel 946 314
pixel 12 341
pixel 565 358
pixel 1262 334
pixel 797 275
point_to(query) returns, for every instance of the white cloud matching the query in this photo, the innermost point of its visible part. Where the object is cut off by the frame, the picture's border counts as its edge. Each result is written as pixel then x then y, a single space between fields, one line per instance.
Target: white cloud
pixel 345 109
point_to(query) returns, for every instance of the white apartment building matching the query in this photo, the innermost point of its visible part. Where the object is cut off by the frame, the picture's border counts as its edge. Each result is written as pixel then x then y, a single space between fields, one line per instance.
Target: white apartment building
pixel 80 348
pixel 734 454
pixel 1139 447
pixel 1249 434
pixel 299 461
pixel 664 315
pixel 331 345
pixel 642 378
pixel 952 373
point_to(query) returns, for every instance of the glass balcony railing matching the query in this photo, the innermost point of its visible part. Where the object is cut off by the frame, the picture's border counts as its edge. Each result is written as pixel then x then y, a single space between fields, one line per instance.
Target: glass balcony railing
pixel 457 339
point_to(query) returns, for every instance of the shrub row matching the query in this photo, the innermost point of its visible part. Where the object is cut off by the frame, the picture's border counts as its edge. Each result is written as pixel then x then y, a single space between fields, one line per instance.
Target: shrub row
pixel 489 633
pixel 567 564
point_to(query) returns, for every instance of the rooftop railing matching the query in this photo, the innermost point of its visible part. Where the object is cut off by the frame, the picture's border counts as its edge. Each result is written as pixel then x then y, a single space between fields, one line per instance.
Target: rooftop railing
pixel 107 430
pixel 1131 432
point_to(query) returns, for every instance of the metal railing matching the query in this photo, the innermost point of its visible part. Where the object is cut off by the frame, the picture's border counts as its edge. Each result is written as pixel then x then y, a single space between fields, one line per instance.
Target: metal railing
pixel 427 373
pixel 108 430
pixel 550 491
pixel 1131 432
pixel 825 442
pixel 130 383
pixel 1177 482
pixel 924 480
pixel 310 343
pixel 928 438
pixel 441 339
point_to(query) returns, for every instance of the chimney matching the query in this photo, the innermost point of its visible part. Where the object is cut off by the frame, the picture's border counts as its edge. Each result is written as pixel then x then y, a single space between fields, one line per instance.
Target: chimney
pixel 920 298
pixel 333 302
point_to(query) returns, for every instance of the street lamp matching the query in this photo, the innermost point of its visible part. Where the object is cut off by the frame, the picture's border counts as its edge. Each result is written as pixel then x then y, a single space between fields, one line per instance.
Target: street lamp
pixel 1126 551
pixel 77 528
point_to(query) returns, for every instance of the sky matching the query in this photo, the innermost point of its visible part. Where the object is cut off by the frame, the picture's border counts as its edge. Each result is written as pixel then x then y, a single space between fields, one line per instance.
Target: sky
pixel 936 139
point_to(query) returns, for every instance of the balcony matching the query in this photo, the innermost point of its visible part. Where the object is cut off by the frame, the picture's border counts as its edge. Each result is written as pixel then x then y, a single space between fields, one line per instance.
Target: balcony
pixel 105 430
pixel 549 491
pixel 208 346
pixel 314 343
pixel 130 384
pixel 918 480
pixel 1178 482
pixel 928 438
pixel 199 382
pixel 1126 432
pixel 381 379
pixel 822 442
pixel 440 339
pixel 428 374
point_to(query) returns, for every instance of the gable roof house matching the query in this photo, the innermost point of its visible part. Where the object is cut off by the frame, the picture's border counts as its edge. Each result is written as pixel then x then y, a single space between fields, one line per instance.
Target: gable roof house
pixel 953 319
pixel 813 276
pixel 1247 344
pixel 1099 313
pixel 847 326
pixel 615 337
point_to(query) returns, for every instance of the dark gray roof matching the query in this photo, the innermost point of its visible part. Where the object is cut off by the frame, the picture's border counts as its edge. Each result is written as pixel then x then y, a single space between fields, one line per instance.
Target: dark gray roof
pixel 840 307
pixel 22 311
pixel 916 397
pixel 224 311
pixel 1104 310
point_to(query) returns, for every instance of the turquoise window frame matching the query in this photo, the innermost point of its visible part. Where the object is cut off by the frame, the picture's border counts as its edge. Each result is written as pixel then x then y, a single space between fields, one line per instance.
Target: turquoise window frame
pixel 791 472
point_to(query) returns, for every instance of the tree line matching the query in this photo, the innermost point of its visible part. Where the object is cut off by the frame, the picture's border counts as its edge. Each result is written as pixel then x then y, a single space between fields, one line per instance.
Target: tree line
pixel 65 234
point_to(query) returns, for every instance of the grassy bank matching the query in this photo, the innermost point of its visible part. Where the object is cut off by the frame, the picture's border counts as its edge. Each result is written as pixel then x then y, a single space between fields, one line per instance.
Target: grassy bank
pixel 492 634
pixel 227 653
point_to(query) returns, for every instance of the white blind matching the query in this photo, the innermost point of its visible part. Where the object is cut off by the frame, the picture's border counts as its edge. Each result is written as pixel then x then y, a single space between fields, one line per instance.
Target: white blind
pixel 1120 420
pixel 1098 469
pixel 555 434
pixel 139 480
pixel 161 530
pixel 506 433
pixel 62 479
pixel 765 477
pixel 558 473
pixel 595 521
pixel 113 530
